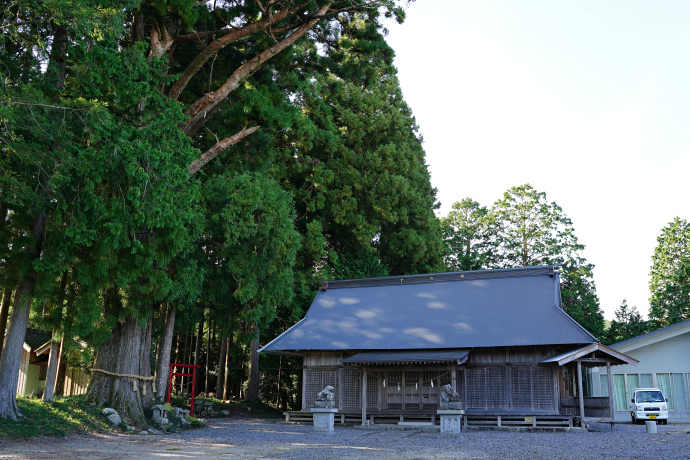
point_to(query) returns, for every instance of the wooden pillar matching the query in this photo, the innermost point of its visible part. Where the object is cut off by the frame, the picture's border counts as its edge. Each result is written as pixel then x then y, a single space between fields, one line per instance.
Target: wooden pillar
pixel 610 379
pixel 581 392
pixel 304 389
pixel 364 396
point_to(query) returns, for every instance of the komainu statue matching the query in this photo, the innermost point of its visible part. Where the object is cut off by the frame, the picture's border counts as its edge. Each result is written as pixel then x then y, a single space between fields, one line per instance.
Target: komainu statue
pixel 324 398
pixel 450 399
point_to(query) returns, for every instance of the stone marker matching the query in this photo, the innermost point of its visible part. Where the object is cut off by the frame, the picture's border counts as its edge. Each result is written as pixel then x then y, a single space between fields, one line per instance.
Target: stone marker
pixel 651 426
pixel 324 419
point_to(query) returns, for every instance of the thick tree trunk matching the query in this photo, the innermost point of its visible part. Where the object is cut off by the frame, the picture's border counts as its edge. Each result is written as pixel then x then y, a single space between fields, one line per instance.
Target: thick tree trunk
pixel 121 355
pixel 220 381
pixel 163 371
pixel 52 368
pixel 16 332
pixel 12 353
pixel 146 386
pixel 253 385
pixel 4 314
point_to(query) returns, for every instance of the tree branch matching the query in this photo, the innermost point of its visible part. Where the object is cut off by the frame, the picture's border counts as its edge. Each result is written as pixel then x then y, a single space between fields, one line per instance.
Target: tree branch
pixel 160 41
pixel 214 151
pixel 200 110
pixel 230 36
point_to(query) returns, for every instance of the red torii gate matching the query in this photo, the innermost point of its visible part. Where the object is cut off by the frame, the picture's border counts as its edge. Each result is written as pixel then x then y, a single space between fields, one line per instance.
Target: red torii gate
pixel 182 374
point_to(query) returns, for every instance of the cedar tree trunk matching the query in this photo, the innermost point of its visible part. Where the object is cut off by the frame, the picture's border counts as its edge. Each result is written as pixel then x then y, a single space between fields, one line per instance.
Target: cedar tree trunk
pixel 253 386
pixel 16 332
pixel 220 381
pixel 4 314
pixel 163 371
pixel 52 368
pixel 121 355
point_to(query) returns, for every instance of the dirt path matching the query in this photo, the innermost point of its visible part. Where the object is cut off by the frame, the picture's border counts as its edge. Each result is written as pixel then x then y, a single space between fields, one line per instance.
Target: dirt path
pixel 239 438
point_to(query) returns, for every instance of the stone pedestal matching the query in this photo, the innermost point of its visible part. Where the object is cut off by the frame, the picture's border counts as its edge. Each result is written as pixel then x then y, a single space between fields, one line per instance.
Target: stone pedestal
pixel 451 421
pixel 324 419
pixel 651 426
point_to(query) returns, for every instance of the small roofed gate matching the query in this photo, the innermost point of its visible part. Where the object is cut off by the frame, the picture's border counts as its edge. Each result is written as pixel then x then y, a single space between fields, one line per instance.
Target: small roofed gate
pixel 574 397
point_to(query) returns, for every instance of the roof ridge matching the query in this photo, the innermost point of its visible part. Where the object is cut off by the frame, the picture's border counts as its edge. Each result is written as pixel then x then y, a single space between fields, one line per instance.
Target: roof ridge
pixel 443 277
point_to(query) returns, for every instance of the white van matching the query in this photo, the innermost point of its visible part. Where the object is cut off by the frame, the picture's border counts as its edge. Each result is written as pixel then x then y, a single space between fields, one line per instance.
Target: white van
pixel 648 404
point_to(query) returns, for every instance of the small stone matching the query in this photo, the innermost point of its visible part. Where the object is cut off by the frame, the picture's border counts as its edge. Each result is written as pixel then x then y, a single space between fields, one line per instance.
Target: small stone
pixel 225 412
pixel 109 410
pixel 130 428
pixel 154 431
pixel 143 432
pixel 114 419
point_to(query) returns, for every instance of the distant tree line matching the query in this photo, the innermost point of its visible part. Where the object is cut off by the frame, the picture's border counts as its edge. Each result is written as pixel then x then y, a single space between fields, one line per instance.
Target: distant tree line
pixel 521 229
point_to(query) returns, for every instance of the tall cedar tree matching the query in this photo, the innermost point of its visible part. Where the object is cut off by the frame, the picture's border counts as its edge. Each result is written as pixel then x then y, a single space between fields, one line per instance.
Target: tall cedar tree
pixel 523 229
pixel 670 275
pixel 118 206
pixel 469 234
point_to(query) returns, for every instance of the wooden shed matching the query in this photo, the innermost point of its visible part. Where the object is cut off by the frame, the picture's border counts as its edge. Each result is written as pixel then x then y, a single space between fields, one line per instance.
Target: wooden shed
pixel 499 337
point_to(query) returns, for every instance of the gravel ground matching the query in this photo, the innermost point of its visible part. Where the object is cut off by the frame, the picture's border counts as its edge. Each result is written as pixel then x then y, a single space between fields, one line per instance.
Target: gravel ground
pixel 259 439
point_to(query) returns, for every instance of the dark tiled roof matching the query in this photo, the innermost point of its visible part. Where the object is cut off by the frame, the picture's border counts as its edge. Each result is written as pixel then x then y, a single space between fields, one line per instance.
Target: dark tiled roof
pixel 37 337
pixel 488 308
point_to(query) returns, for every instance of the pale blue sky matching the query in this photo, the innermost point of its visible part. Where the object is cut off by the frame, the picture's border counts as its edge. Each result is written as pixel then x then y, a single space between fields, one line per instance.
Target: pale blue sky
pixel 588 101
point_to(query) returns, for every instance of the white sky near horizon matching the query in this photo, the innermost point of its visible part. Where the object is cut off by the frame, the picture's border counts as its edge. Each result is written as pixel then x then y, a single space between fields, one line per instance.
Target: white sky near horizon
pixel 587 101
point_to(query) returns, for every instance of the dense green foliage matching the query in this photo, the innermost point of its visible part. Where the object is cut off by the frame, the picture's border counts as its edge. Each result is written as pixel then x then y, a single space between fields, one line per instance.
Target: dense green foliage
pixel 670 275
pixel 469 234
pixel 521 229
pixel 130 129
pixel 628 323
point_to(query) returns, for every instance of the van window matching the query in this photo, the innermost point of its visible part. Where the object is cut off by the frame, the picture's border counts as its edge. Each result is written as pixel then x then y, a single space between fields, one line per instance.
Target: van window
pixel 649 396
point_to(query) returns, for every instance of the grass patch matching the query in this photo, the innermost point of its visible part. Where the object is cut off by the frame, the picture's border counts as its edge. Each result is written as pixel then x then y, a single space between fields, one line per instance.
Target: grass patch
pixel 61 417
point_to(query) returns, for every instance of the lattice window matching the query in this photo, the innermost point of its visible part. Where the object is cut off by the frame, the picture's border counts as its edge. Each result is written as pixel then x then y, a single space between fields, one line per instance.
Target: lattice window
pixel 486 388
pixel 476 388
pixel 496 394
pixel 352 388
pixel 317 380
pixel 521 387
pixel 542 388
pixel 532 388
pixel 373 389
